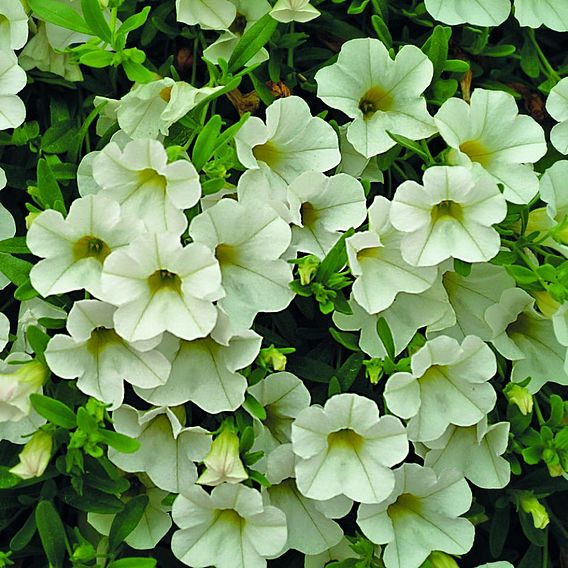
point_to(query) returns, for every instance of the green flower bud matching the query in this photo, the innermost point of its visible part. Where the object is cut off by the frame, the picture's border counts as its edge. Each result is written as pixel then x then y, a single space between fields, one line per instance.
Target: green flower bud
pixel 520 396
pixel 531 505
pixel 35 456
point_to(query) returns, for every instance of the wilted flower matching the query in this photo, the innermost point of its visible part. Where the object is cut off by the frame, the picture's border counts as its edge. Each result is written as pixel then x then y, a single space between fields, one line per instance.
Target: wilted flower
pixel 35 456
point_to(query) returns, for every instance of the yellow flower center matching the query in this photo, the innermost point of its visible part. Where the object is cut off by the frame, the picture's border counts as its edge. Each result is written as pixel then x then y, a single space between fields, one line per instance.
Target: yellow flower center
pixel 445 209
pixel 309 214
pixel 345 438
pixel 91 247
pixel 267 153
pixel 151 176
pixel 373 100
pixel 100 338
pixel 164 280
pixel 405 503
pixel 476 151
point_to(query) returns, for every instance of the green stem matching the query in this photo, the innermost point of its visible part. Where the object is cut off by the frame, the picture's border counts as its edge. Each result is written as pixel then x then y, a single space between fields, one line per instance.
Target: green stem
pixel 194 63
pixel 538 412
pixel 549 71
pixel 290 60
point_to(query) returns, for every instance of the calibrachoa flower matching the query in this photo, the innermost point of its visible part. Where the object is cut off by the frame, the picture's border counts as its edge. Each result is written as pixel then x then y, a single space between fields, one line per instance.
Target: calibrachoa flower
pixel 147 187
pixel 12 80
pixel 102 360
pixel 490 135
pixel 480 12
pixel 375 259
pixel 207 14
pixel 230 528
pixel 248 240
pixel 534 13
pixel 321 207
pixel 420 516
pixel 451 215
pixel 381 94
pixel 291 142
pixel 76 247
pixel 4 331
pixel 294 11
pixel 344 448
pixel 158 286
pixel 448 385
pixel 13 25
pixel 35 456
pixel 557 107
pixel 167 449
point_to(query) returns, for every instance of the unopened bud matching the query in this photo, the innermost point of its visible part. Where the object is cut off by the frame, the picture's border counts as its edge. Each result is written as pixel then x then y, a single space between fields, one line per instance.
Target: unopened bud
pixel 531 505
pixel 442 560
pixel 35 456
pixel 520 396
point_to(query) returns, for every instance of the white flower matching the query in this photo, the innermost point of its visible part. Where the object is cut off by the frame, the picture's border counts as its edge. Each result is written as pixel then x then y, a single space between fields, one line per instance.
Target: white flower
pixel 259 186
pixel 341 551
pixel 35 456
pixel 151 528
pixel 248 12
pixel 527 338
pixel 294 11
pixel 496 565
pixel 451 215
pixel 18 432
pixel 422 515
pixel 149 109
pixel 469 298
pixel 448 385
pixel 230 528
pixel 13 25
pixel 248 240
pixel 12 80
pixel 379 93
pixel 479 12
pixel 7 226
pixel 19 378
pixel 375 260
pixel 161 286
pixel 223 463
pixel 214 385
pixel 100 358
pixel 321 208
pixel 167 449
pixel 292 141
pixel 552 190
pixel 557 107
pixel 534 13
pixel 354 163
pixel 344 448
pixel 4 331
pixel 475 451
pixel 207 14
pixel 75 248
pixel 147 187
pixel 489 134
pixel 40 53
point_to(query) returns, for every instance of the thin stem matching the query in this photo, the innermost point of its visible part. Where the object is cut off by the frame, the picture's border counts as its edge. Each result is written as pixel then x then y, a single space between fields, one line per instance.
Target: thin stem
pixel 549 71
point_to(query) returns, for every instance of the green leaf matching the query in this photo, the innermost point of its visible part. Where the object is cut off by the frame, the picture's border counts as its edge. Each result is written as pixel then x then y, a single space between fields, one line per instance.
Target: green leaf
pixel 499 530
pixel 22 538
pixel 15 245
pixel 348 340
pixel 206 142
pixel 385 336
pixel 137 562
pixel 409 145
pixel 347 373
pixel 92 501
pixel 252 42
pixel 38 340
pixel 333 387
pixel 556 411
pixel 133 22
pixel 521 274
pixel 97 58
pixel 51 532
pixel 86 422
pixel 60 14
pixel 8 479
pixel 119 442
pixel 25 291
pixel 311 369
pixel 253 407
pixel 246 439
pixel 15 269
pixel 127 520
pixel 462 268
pixel 382 30
pixel 54 411
pixel 456 66
pixel 137 72
pixel 436 48
pixel 47 186
pixel 532 559
pixel 59 137
pixel 95 19
pixel 503 50
pixel 335 259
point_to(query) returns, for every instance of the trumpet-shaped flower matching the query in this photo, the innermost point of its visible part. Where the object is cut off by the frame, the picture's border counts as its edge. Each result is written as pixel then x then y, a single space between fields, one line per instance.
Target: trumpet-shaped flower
pixel 12 80
pixel 489 135
pixel 147 187
pixel 75 248
pixel 451 215
pixel 13 25
pixel 215 384
pixel 207 14
pixel 321 207
pixel 375 259
pixel 421 515
pixel 527 338
pixel 475 451
pixel 35 456
pixel 380 94
pixel 448 385
pixel 291 142
pixel 167 449
pixel 534 13
pixel 158 286
pixel 100 358
pixel 294 11
pixel 479 12
pixel 344 448
pixel 557 107
pixel 230 528
pixel 248 240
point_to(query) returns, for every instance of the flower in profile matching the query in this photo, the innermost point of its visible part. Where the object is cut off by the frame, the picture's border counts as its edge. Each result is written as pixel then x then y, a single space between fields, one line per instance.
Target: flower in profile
pixel 158 286
pixel 421 515
pixel 448 385
pixel 291 142
pixel 140 179
pixel 12 80
pixel 535 13
pixel 75 248
pixel 380 94
pixel 480 13
pixel 532 506
pixel 100 359
pixel 451 215
pixel 35 456
pixel 229 528
pixel 490 135
pixel 344 448
pixel 557 107
pixel 294 11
